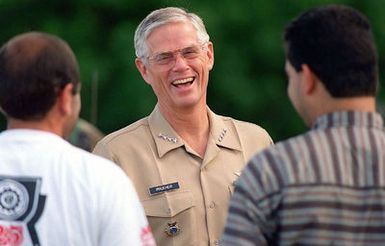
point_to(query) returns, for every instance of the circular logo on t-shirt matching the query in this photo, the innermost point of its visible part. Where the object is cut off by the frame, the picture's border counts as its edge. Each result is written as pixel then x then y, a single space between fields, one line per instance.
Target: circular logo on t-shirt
pixel 13 199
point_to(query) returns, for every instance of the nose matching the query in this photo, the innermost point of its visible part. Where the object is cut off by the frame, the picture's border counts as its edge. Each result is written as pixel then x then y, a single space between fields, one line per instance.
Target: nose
pixel 179 62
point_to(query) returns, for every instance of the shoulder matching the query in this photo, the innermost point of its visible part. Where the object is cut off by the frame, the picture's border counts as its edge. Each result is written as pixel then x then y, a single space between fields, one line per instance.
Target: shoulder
pixel 278 152
pixel 248 128
pixel 133 130
pixel 279 161
pixel 125 141
pixel 84 171
pixel 296 148
pixel 94 166
pixel 251 136
pixel 244 127
pixel 136 134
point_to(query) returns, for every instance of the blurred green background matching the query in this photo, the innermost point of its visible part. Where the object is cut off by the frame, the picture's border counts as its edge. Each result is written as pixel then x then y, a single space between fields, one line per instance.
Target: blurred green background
pixel 247 82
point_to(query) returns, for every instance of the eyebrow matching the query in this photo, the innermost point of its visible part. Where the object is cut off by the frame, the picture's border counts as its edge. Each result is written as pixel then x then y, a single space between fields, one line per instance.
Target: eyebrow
pixel 172 51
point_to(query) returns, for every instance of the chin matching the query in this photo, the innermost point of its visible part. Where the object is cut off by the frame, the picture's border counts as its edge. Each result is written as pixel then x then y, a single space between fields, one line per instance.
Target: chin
pixel 189 102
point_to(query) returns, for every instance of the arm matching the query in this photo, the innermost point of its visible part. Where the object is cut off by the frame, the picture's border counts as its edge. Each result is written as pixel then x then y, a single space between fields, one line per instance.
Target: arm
pixel 242 227
pixel 249 221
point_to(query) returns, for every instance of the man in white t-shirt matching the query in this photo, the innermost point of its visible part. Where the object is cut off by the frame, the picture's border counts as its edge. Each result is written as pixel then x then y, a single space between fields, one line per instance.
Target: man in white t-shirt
pixel 52 193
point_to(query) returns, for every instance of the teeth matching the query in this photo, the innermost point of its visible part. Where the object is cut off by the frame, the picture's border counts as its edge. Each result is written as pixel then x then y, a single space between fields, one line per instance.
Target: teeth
pixel 182 81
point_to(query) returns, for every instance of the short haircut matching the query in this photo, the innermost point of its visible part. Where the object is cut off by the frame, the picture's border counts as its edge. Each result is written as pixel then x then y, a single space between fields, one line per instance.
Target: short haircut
pixel 337 43
pixel 34 69
pixel 161 17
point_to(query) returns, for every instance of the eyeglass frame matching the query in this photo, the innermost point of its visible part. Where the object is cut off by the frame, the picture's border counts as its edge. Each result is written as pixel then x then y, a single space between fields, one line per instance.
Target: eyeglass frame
pixel 170 63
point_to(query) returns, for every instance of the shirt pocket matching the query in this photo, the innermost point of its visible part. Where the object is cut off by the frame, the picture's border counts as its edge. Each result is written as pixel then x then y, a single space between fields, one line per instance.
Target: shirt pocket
pixel 172 218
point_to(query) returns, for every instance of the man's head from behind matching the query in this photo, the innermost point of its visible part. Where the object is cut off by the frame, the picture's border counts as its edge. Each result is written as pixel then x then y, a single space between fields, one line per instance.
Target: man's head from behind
pixel 35 69
pixel 337 44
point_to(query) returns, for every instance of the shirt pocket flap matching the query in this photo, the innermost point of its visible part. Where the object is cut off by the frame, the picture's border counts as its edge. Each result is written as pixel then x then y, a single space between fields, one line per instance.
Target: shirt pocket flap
pixel 168 204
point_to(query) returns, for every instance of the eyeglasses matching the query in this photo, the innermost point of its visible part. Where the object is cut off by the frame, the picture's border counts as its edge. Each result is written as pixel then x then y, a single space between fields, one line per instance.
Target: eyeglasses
pixel 167 59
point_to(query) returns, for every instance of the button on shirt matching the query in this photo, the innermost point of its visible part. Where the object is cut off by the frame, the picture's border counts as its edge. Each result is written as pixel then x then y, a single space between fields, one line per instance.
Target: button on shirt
pixel 193 211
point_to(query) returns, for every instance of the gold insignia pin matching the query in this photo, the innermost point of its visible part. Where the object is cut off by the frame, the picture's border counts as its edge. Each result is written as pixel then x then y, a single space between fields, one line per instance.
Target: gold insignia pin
pixel 172 229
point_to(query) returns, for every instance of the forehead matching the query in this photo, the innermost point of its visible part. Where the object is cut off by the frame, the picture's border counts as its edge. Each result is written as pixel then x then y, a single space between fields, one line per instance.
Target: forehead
pixel 171 36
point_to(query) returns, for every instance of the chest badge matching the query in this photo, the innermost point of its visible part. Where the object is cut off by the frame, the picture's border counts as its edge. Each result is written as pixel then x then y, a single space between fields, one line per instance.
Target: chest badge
pixel 172 229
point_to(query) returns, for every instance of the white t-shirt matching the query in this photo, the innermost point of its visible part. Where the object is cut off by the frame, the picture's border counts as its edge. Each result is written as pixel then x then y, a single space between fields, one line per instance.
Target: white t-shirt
pixel 52 193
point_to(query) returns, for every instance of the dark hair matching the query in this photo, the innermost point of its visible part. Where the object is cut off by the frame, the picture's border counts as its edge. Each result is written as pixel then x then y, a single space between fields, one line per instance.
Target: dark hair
pixel 337 43
pixel 34 68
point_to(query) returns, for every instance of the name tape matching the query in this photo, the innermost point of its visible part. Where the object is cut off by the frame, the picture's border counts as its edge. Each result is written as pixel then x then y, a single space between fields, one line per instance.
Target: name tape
pixel 163 188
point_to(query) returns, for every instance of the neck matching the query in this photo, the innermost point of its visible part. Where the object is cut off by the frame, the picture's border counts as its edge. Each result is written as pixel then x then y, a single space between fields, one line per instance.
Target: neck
pixel 364 104
pixel 192 125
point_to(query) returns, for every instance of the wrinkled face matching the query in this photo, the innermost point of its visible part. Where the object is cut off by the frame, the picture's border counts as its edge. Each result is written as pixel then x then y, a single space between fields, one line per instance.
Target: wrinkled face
pixel 294 90
pixel 178 66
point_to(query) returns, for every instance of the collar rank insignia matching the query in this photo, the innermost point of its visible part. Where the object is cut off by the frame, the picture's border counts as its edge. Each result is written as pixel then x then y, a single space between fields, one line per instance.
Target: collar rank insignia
pixel 167 138
pixel 172 229
pixel 222 135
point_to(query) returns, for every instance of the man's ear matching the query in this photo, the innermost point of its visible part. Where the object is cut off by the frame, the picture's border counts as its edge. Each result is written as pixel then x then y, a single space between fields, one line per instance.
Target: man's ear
pixel 65 98
pixel 142 67
pixel 309 78
pixel 210 54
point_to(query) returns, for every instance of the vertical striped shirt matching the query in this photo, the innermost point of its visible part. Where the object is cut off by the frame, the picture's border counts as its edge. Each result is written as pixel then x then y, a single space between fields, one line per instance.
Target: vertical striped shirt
pixel 325 187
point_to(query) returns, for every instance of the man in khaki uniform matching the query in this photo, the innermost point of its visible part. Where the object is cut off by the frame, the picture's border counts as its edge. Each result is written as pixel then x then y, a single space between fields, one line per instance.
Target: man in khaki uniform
pixel 182 158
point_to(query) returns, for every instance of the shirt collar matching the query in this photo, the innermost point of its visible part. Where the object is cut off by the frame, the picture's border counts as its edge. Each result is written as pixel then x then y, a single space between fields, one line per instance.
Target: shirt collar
pixel 166 139
pixel 222 134
pixel 349 118
pixel 30 135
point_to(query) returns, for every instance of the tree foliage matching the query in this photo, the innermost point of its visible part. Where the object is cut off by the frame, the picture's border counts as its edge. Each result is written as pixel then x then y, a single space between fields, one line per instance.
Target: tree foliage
pixel 247 82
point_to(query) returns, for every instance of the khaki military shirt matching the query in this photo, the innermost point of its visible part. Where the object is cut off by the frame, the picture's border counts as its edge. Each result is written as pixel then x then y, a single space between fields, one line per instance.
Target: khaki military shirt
pixel 184 197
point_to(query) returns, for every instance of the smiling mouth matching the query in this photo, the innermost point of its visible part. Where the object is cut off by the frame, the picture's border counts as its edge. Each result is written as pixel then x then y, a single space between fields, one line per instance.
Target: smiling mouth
pixel 183 82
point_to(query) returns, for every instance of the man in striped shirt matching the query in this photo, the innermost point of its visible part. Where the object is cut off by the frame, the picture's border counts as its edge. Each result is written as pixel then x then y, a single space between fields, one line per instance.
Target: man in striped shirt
pixel 327 186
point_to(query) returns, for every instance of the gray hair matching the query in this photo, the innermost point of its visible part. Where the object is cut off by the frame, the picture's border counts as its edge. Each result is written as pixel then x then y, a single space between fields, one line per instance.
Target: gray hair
pixel 161 17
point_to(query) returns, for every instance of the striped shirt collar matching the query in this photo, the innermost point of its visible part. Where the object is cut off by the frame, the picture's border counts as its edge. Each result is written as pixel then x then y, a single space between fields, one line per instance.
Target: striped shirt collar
pixel 349 118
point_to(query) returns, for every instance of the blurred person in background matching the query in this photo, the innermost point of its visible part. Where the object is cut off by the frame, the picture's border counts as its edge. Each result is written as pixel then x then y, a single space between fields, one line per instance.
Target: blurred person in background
pixel 52 193
pixel 85 135
pixel 327 186
pixel 183 158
